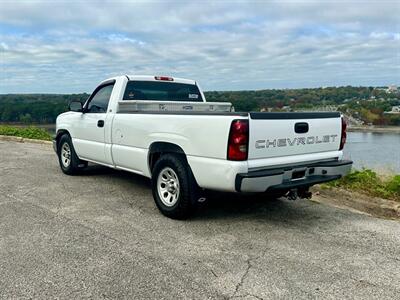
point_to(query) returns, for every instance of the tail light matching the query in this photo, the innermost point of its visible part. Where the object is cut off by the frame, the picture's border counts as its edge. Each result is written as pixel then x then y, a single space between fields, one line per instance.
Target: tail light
pixel 344 134
pixel 238 140
pixel 164 78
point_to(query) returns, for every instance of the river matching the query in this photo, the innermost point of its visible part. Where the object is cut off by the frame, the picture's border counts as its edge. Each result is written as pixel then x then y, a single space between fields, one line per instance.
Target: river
pixel 378 151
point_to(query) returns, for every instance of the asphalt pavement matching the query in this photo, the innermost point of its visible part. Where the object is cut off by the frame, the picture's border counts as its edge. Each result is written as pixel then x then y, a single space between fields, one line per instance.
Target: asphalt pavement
pixel 99 235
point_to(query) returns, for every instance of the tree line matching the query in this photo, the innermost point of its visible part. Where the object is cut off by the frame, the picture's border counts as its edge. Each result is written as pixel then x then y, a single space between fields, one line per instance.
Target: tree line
pixel 44 108
pixel 35 108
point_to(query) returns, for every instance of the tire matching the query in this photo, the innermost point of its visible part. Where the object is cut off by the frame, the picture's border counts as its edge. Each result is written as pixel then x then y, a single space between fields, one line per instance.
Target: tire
pixel 69 162
pixel 174 187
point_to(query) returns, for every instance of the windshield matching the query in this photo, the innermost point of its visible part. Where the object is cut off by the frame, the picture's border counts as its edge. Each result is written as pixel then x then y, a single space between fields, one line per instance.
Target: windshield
pixel 162 91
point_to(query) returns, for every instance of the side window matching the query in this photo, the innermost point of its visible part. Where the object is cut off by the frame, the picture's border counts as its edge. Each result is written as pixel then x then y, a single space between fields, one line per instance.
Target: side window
pixel 99 102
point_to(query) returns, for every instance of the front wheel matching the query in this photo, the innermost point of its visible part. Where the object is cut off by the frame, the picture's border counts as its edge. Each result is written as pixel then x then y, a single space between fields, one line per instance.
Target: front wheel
pixel 174 187
pixel 70 164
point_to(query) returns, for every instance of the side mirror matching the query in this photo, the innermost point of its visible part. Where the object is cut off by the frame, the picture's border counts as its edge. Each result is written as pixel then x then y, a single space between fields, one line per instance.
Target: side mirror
pixel 75 106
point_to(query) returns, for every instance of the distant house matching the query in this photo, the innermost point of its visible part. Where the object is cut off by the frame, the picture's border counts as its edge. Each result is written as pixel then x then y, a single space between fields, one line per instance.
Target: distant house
pixel 391 88
pixel 395 110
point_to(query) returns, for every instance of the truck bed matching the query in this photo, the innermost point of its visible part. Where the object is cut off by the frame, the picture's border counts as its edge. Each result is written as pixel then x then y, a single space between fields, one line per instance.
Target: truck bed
pixel 127 106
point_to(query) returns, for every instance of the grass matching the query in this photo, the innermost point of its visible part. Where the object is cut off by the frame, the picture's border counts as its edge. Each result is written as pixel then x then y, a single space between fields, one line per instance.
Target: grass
pixel 25 132
pixel 370 183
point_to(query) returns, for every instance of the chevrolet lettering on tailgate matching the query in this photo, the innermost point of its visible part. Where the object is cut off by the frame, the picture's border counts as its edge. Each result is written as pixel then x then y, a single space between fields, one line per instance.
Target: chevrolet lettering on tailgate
pixel 288 142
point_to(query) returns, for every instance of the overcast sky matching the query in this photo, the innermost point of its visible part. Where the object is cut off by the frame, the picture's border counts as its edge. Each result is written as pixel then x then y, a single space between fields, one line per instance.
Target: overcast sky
pixel 225 45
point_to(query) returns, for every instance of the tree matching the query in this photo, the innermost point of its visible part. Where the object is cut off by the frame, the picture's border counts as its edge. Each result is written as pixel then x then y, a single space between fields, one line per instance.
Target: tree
pixel 26 118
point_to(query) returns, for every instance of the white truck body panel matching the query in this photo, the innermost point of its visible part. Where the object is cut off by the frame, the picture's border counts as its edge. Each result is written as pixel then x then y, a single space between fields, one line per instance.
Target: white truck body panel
pixel 255 164
pixel 130 138
pixel 276 138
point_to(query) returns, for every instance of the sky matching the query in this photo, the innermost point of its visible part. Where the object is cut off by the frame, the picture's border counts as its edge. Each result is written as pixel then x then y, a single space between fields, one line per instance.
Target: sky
pixel 70 46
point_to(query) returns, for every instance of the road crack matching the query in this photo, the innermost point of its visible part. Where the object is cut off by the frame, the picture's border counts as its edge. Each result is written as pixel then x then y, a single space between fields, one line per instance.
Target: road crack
pixel 239 285
pixel 243 277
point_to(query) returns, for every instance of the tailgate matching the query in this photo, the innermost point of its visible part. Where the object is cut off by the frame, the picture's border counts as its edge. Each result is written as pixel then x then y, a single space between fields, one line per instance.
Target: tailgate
pixel 284 134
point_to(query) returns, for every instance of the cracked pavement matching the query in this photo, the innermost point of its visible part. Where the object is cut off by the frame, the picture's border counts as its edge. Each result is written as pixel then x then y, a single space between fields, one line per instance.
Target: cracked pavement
pixel 99 235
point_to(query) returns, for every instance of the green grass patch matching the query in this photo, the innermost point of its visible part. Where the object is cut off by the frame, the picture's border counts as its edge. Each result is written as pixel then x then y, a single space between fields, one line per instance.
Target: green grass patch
pixel 25 132
pixel 369 182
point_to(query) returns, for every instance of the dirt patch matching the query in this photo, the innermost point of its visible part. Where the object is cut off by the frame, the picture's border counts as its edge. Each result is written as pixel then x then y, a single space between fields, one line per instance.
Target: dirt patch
pixel 347 199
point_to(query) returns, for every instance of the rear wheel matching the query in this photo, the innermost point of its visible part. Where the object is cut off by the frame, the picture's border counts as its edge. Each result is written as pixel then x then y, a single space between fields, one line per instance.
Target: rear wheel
pixel 70 164
pixel 174 187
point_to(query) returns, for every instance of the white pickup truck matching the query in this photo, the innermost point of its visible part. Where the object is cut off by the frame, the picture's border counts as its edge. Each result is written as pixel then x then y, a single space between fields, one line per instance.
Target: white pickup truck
pixel 163 128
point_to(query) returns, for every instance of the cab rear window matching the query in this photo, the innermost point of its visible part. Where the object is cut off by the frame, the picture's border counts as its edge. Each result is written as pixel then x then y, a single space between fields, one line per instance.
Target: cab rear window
pixel 162 91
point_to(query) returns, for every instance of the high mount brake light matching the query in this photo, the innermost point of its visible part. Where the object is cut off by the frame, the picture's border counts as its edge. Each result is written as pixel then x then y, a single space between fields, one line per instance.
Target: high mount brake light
pixel 164 78
pixel 344 134
pixel 238 140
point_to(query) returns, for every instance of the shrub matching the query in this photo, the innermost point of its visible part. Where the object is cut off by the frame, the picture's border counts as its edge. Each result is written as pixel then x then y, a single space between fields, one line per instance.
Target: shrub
pixel 394 185
pixel 369 182
pixel 25 132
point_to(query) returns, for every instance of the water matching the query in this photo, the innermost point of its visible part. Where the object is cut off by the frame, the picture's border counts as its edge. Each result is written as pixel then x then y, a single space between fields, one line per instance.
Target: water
pixel 377 151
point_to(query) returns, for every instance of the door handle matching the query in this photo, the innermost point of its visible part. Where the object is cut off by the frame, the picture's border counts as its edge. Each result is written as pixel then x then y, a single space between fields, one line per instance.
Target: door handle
pixel 100 123
pixel 301 127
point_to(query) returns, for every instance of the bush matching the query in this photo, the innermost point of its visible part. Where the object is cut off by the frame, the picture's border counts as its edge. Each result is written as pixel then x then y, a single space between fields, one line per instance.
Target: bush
pixel 25 132
pixel 394 185
pixel 368 182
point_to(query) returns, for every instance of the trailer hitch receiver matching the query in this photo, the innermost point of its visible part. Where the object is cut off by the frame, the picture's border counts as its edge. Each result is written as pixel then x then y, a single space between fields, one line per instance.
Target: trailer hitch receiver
pixel 302 193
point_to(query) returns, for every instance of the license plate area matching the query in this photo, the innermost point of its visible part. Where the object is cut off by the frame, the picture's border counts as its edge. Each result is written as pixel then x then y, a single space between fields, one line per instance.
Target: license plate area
pixel 298 174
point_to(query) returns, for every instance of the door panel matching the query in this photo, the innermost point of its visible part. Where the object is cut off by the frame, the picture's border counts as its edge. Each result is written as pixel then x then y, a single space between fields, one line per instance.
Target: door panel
pixel 89 137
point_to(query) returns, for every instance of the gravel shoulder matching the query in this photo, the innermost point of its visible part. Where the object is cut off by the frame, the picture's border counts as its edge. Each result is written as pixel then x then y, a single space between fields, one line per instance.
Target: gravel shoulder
pixel 361 203
pixel 99 235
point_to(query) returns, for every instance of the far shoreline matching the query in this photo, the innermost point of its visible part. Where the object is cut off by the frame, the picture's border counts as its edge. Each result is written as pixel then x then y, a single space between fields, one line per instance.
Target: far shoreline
pixel 374 129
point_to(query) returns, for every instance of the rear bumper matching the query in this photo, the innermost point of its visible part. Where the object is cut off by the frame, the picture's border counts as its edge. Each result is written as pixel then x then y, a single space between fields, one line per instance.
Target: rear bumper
pixel 290 177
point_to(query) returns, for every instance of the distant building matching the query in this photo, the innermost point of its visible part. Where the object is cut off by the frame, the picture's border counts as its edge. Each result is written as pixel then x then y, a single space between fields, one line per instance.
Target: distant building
pixel 395 110
pixel 391 88
pixel 266 109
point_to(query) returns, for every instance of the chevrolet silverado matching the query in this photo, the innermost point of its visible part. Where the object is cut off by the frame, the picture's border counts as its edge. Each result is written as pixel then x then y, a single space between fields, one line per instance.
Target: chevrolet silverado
pixel 163 128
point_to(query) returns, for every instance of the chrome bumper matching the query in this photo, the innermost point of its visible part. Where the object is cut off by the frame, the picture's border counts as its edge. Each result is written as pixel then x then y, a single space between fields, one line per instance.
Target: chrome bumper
pixel 290 177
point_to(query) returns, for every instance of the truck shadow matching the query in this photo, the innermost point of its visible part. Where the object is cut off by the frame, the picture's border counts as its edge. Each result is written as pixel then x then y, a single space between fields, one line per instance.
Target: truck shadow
pixel 219 205
pixel 257 206
pixel 101 171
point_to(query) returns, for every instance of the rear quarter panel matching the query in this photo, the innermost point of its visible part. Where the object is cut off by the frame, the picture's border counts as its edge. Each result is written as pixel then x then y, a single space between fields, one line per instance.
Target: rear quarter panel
pixel 203 136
